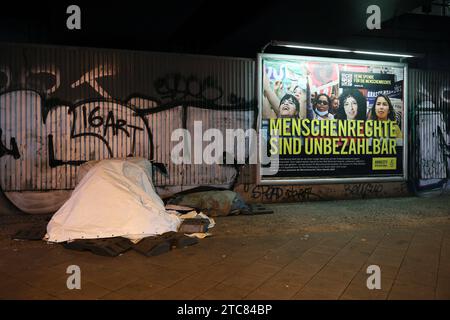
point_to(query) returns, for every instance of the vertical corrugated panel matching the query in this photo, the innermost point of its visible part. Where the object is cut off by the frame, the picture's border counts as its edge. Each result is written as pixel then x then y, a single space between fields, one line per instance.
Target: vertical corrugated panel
pixel 224 72
pixel 85 83
pixel 430 124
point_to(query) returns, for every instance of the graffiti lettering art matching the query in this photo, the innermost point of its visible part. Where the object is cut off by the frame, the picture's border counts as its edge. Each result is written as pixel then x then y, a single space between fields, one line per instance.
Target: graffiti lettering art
pixel 107 122
pixel 277 194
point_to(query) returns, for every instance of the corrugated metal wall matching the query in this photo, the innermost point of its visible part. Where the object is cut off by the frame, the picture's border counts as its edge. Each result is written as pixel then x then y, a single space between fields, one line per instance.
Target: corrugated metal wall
pixel 60 107
pixel 429 96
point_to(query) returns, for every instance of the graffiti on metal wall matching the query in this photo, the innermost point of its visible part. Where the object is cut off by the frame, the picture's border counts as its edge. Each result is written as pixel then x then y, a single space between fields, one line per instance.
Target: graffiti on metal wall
pixel 102 122
pixel 433 135
pixel 175 90
pixel 44 130
pixel 176 87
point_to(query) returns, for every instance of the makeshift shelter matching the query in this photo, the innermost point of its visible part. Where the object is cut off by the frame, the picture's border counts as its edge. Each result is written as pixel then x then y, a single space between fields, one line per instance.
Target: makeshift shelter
pixel 115 198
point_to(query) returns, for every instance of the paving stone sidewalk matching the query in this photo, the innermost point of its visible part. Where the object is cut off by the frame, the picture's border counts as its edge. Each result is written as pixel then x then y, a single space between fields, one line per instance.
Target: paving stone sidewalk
pixel 414 262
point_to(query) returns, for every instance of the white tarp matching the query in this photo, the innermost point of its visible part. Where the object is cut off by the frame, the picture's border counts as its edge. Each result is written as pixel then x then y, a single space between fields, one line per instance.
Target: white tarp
pixel 115 198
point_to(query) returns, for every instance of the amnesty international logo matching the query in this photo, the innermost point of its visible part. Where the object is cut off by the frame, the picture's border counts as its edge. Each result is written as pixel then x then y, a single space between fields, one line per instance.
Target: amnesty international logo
pixel 384 164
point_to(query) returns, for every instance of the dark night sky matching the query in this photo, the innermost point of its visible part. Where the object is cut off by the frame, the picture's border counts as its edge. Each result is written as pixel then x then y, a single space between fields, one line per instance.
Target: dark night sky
pixel 231 28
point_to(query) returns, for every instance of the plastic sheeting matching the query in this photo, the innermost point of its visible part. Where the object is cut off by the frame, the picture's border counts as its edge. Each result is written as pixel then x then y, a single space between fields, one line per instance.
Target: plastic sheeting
pixel 116 198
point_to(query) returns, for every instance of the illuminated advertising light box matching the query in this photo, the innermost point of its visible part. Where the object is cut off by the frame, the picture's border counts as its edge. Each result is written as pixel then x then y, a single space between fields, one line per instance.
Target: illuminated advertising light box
pixel 325 120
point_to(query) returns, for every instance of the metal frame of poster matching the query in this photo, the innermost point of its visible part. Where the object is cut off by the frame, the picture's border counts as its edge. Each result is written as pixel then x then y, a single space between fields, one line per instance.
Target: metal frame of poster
pixel 315 146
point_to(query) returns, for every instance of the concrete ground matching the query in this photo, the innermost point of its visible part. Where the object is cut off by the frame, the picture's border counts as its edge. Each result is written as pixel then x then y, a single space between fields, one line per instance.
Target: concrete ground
pixel 317 250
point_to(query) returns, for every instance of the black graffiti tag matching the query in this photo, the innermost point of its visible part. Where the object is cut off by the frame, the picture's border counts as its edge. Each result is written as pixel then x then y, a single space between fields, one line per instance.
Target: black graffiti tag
pixel 302 194
pixel 363 190
pixel 14 151
pixel 267 193
pixel 87 124
pixel 95 120
pixel 430 167
pixel 445 147
pixel 177 87
pixel 271 193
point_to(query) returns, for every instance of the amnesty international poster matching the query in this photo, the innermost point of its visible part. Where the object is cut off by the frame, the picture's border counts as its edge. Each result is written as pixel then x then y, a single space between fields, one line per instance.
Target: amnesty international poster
pixel 331 119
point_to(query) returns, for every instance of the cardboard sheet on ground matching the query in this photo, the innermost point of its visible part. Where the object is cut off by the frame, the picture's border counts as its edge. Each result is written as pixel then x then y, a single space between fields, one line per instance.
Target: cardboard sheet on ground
pixel 116 198
pixel 192 214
